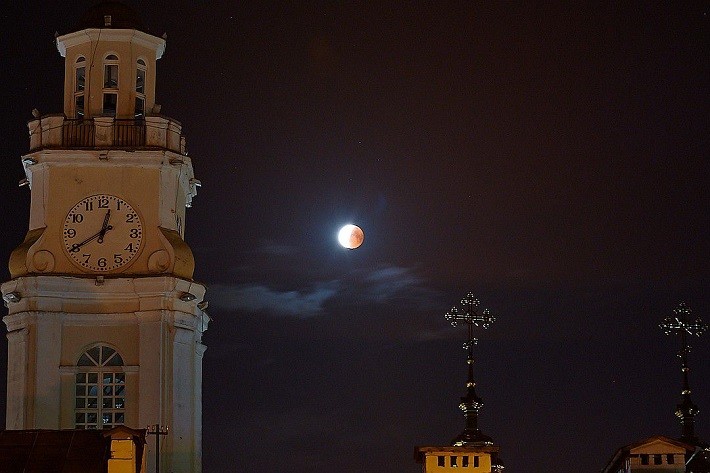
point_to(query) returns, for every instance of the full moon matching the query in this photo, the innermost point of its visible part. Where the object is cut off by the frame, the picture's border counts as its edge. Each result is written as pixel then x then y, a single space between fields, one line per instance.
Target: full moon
pixel 351 236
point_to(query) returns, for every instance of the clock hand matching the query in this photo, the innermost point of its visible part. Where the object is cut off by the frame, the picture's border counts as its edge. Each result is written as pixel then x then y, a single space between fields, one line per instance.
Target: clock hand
pixel 75 247
pixel 103 233
pixel 105 227
pixel 100 235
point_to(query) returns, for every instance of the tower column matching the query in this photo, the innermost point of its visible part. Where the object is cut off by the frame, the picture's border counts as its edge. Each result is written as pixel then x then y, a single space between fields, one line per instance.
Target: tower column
pixel 17 373
pixel 47 382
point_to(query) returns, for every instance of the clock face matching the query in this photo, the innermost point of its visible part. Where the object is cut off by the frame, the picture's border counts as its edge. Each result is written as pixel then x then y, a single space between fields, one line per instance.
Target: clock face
pixel 102 233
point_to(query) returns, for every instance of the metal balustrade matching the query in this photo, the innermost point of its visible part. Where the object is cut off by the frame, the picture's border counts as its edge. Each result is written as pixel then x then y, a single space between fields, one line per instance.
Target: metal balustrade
pixel 56 131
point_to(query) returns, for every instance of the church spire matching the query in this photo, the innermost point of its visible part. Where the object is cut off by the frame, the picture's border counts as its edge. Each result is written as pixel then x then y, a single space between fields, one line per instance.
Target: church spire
pixel 680 323
pixel 471 403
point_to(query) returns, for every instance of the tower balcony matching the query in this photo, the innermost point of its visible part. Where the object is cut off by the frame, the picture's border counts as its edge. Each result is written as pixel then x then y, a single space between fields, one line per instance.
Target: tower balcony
pixel 151 132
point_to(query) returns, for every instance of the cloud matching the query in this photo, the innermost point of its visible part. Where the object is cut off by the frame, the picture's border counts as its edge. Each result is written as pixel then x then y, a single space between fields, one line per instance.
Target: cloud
pixel 360 290
pixel 385 284
pixel 255 298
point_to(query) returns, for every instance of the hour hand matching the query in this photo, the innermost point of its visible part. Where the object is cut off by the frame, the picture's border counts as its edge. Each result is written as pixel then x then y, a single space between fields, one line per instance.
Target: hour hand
pixel 105 227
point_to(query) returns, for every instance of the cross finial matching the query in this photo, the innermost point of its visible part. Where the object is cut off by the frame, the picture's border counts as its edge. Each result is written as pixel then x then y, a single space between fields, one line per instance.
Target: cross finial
pixel 681 323
pixel 469 313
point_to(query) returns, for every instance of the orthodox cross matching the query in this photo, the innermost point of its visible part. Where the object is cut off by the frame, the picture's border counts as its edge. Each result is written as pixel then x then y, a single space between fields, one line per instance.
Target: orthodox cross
pixel 681 323
pixel 468 313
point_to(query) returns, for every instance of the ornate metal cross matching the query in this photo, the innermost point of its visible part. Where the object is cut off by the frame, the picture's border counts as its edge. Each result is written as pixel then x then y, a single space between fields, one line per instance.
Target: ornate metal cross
pixel 469 314
pixel 681 323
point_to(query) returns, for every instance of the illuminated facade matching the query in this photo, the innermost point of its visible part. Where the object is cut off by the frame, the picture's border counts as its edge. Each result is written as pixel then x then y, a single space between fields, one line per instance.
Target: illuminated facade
pixel 655 454
pixel 104 320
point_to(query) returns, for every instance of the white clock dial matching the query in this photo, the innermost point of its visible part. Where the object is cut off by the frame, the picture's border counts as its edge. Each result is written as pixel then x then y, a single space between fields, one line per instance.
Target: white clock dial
pixel 102 233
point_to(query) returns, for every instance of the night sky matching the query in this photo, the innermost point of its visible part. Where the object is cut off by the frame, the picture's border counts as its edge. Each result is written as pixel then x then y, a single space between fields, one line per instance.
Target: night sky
pixel 551 158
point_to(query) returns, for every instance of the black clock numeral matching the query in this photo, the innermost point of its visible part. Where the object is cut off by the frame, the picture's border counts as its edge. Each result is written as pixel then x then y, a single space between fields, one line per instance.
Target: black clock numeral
pixel 89 205
pixel 77 218
pixel 101 262
pixel 117 258
pixel 103 203
pixel 130 218
pixel 70 232
pixel 134 233
pixel 129 248
pixel 86 257
pixel 118 204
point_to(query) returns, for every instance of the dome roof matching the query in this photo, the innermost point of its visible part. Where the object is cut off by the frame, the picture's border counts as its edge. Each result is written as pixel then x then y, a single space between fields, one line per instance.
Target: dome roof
pixel 121 17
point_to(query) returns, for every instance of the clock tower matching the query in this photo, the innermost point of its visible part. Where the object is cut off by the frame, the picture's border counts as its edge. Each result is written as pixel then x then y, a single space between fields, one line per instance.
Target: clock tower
pixel 104 320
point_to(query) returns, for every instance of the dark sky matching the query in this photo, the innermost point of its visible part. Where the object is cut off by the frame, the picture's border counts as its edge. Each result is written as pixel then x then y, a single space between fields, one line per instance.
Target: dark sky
pixel 551 158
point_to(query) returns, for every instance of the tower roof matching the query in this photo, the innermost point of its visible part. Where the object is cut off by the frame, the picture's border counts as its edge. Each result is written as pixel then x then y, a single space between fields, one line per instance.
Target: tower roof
pixel 114 15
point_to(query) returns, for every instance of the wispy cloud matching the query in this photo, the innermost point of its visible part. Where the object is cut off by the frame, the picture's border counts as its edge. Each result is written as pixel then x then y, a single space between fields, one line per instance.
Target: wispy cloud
pixel 255 298
pixel 392 282
pixel 376 288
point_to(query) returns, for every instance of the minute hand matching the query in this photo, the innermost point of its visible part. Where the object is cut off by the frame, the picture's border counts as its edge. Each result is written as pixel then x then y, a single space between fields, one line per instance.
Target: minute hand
pixel 75 247
pixel 100 234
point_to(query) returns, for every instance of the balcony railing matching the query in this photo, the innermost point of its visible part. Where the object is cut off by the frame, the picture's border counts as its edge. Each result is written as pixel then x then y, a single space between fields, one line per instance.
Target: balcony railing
pixel 129 133
pixel 56 131
pixel 78 134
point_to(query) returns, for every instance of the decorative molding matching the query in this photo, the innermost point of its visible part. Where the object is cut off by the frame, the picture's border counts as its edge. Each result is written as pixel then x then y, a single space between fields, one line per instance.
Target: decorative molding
pixel 72 369
pixel 110 34
pixel 43 261
pixel 159 261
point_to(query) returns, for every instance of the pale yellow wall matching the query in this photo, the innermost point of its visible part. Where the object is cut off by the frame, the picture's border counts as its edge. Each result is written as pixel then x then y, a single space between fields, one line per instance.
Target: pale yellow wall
pixel 123 456
pixel 123 338
pixel 128 53
pixel 658 448
pixel 431 463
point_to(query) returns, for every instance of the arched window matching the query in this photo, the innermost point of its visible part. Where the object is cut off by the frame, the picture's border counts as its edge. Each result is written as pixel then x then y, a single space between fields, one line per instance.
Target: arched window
pixel 79 85
pixel 100 389
pixel 110 85
pixel 140 88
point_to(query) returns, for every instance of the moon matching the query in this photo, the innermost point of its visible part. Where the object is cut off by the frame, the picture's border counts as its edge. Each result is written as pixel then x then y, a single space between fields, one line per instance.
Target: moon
pixel 351 236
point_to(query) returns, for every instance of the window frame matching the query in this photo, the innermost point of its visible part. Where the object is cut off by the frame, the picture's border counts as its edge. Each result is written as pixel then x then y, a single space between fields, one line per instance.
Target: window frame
pixel 79 93
pixel 111 63
pixel 109 383
pixel 139 105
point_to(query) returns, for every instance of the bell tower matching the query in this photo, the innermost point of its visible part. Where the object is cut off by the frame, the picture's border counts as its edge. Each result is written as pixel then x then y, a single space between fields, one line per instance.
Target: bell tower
pixel 104 320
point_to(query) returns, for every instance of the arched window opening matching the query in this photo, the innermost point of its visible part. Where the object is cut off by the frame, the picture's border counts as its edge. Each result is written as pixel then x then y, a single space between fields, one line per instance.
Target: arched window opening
pixel 110 101
pixel 79 85
pixel 140 88
pixel 100 389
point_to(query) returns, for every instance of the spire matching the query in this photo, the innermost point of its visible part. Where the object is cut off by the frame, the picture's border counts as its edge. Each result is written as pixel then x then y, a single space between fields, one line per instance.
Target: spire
pixel 471 403
pixel 680 323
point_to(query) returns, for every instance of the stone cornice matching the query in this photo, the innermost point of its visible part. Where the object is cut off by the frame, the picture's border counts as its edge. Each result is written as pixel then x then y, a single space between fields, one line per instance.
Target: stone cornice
pixel 106 297
pixel 111 34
